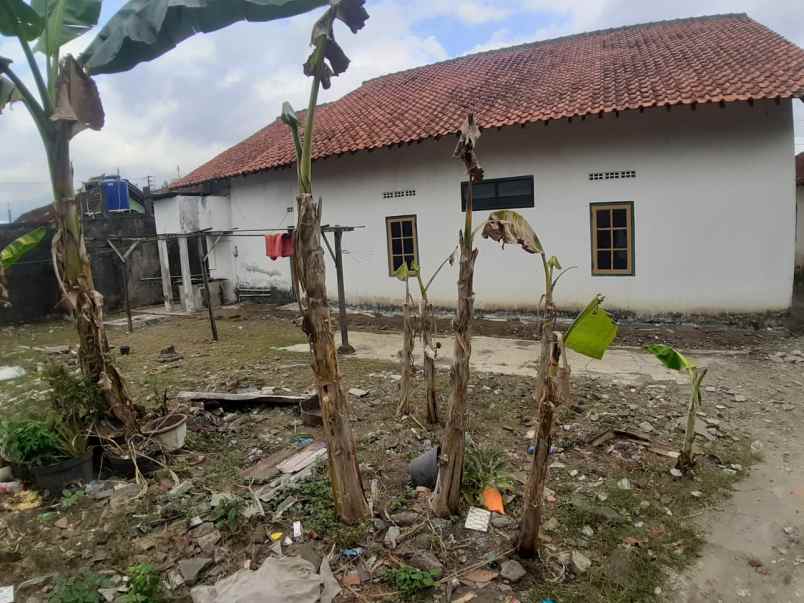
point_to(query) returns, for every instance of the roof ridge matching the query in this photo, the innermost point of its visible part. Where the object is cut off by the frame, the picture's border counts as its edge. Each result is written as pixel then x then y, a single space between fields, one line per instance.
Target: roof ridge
pixel 581 34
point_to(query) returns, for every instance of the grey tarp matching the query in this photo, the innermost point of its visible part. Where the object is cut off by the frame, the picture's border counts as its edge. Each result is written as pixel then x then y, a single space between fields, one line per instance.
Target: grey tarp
pixel 285 580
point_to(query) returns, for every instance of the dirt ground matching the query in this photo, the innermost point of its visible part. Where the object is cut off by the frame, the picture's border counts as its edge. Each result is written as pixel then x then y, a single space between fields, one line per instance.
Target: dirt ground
pixel 729 533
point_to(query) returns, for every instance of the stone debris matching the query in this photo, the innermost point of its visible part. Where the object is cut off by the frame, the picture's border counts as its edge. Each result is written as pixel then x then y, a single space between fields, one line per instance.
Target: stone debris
pixel 426 561
pixel 580 562
pixel 190 569
pixel 392 536
pixel 512 570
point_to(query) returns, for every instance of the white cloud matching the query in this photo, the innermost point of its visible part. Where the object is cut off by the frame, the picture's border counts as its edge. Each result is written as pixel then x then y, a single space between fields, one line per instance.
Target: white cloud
pixel 214 90
pixel 475 13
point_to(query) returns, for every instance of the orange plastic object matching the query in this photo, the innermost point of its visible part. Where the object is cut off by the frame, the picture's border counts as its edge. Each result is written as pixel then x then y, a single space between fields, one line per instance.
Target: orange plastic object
pixel 492 500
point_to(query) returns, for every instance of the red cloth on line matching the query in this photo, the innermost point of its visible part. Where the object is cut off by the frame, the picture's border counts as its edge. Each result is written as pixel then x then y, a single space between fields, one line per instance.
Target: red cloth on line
pixel 279 245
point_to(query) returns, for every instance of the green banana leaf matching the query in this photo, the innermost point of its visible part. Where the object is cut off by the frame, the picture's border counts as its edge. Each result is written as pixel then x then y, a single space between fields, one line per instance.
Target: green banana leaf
pixel 403 273
pixel 593 331
pixel 65 20
pixel 18 248
pixel 143 30
pixel 17 18
pixel 671 358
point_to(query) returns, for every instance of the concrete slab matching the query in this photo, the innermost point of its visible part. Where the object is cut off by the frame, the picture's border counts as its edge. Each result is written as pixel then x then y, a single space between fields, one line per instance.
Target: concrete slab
pixel 513 357
pixel 138 321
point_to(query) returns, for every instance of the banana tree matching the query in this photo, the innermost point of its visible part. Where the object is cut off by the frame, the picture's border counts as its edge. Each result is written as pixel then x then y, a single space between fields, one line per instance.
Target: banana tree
pixel 446 498
pixel 676 361
pixel 327 60
pixel 430 349
pixel 13 253
pixel 590 334
pixel 407 369
pixel 65 101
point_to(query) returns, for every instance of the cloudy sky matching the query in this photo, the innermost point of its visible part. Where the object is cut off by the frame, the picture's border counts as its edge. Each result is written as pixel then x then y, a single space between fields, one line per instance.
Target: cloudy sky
pixel 167 117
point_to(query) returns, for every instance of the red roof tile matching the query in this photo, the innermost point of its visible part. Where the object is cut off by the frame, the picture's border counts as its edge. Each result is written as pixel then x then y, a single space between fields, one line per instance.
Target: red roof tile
pixel 698 60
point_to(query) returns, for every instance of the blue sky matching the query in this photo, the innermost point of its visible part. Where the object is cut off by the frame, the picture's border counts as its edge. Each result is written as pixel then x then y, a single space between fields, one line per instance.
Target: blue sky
pixel 167 117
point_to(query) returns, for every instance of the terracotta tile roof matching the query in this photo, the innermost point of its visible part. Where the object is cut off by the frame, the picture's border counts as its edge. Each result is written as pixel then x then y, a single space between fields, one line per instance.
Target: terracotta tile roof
pixel 800 169
pixel 698 60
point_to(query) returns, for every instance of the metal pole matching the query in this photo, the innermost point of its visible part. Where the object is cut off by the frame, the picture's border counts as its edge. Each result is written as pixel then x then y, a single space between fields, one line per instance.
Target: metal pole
pixel 345 347
pixel 202 259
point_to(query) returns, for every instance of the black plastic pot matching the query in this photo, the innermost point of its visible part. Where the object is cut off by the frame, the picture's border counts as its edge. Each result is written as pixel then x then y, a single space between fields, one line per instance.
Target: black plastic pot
pixel 55 478
pixel 311 412
pixel 116 466
pixel 424 469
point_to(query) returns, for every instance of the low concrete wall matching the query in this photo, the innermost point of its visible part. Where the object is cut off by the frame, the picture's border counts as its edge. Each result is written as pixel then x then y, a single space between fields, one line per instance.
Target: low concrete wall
pixel 106 266
pixel 34 291
pixel 32 283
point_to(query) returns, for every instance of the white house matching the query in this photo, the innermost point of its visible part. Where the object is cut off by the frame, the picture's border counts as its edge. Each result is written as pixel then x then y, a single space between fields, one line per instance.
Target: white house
pixel 657 158
pixel 800 212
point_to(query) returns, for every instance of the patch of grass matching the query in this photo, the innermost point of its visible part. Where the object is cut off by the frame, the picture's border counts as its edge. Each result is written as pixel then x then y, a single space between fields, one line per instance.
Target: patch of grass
pixel 82 588
pixel 316 506
pixel 410 582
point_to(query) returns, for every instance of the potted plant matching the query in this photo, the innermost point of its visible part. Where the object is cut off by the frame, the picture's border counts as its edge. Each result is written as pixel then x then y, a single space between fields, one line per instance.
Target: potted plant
pixel 168 431
pixel 49 453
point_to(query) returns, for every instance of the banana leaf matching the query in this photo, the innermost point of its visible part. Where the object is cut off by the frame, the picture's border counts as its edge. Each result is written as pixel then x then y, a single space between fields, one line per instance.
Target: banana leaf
pixel 671 358
pixel 508 226
pixel 18 248
pixel 17 18
pixel 65 20
pixel 593 331
pixel 143 30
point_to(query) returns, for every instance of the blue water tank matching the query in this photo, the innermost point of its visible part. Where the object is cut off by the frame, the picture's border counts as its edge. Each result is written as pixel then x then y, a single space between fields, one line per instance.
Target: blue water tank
pixel 115 194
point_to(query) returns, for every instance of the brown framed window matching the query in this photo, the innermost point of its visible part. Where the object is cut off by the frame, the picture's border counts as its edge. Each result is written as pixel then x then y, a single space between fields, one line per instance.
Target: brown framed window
pixel 612 238
pixel 403 241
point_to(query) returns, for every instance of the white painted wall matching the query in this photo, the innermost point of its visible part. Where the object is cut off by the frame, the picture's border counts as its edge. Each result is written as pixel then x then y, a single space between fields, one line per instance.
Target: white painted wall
pixel 800 227
pixel 187 214
pixel 713 205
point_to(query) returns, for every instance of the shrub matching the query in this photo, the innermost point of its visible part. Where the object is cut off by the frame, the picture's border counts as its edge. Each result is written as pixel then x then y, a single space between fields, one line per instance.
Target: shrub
pixel 30 442
pixel 145 585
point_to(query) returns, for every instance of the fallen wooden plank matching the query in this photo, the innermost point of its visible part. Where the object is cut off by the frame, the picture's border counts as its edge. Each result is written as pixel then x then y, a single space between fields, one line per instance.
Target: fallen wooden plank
pixel 226 399
pixel 312 454
pixel 265 470
pixel 612 434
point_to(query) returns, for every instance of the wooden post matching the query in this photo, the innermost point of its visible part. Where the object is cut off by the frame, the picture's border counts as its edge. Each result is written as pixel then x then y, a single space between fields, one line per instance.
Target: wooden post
pixel 164 268
pixel 126 303
pixel 203 260
pixel 124 273
pixel 186 278
pixel 345 348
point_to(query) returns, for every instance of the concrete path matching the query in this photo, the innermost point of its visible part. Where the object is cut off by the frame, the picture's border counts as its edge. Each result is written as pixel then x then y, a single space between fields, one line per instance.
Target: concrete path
pixel 513 357
pixel 755 540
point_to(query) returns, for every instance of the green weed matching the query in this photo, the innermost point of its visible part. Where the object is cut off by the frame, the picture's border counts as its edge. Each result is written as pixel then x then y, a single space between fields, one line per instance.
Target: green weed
pixel 144 584
pixel 410 582
pixel 82 588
